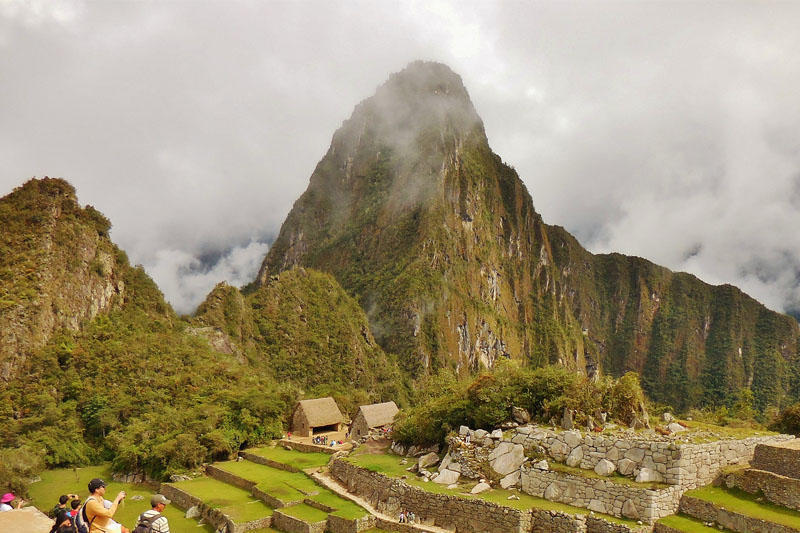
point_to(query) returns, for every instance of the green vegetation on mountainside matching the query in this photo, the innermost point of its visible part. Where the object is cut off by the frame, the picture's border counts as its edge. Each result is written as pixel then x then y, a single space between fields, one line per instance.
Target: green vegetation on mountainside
pixel 445 404
pixel 134 384
pixel 439 242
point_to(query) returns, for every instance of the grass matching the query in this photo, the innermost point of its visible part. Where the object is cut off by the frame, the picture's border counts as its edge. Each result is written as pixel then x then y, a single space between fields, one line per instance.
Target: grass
pixel 616 477
pixel 391 465
pixel 306 513
pixel 292 487
pixel 233 501
pixel 54 483
pixel 744 503
pixel 300 460
pixel 726 432
pixel 685 523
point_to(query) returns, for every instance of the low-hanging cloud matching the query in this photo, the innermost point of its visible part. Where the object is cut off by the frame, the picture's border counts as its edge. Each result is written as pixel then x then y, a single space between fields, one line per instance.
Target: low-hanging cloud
pixel 188 281
pixel 664 130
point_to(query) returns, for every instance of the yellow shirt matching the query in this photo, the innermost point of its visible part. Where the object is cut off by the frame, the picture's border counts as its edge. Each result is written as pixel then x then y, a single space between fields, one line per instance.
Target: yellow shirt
pixel 99 516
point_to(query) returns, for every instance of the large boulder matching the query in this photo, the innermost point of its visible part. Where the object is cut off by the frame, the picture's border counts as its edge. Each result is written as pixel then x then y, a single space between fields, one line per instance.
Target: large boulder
pixel 506 458
pixel 572 438
pixel 510 480
pixel 559 450
pixel 566 420
pixel 447 477
pixel 647 475
pixel 675 427
pixel 497 434
pixel 575 457
pixel 629 510
pixel 427 460
pixel 520 415
pixel 604 467
pixel 552 492
pixel 542 465
pixel 626 467
pixel 480 487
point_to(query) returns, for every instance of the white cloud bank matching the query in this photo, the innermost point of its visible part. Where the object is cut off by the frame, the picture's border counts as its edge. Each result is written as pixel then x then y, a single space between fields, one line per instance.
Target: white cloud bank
pixel 668 130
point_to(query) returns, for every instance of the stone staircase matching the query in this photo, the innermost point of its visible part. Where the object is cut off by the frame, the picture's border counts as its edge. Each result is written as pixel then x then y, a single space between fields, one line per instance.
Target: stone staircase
pixel 761 498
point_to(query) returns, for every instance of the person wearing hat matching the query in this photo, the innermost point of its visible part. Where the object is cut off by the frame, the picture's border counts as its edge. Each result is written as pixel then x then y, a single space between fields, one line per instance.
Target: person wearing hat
pixel 97 516
pixel 5 502
pixel 158 522
pixel 64 523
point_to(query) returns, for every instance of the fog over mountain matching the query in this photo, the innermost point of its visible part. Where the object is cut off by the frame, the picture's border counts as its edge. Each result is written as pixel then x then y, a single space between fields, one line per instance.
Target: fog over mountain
pixel 664 130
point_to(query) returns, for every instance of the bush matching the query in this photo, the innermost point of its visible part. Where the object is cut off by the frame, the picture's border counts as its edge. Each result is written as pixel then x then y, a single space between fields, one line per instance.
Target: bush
pixel 788 420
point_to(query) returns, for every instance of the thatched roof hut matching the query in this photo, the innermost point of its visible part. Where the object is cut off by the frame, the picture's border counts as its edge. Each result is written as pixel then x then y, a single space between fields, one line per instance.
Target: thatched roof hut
pixel 377 415
pixel 320 415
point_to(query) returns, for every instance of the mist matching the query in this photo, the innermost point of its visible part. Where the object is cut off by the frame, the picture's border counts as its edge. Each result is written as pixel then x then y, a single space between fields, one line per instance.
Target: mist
pixel 663 130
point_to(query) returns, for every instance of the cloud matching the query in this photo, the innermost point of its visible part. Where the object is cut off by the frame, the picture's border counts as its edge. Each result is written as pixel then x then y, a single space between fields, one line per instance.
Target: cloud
pixel 665 130
pixel 187 280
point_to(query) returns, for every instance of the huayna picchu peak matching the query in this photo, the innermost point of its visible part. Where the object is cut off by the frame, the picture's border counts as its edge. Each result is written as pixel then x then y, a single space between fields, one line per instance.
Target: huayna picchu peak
pixel 438 240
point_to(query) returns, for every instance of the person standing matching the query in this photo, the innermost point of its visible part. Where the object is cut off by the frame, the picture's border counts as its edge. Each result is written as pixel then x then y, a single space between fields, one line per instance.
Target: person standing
pixel 153 518
pixel 5 502
pixel 97 516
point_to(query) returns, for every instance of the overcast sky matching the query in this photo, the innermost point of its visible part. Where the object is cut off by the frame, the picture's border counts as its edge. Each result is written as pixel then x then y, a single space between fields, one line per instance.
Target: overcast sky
pixel 668 130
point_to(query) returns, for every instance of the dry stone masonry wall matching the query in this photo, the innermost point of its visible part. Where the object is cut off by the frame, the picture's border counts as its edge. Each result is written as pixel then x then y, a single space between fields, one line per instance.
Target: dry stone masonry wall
pixel 465 515
pixel 602 496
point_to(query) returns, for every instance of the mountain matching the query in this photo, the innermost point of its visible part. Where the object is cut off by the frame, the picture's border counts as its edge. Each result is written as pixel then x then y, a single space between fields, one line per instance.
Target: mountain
pixel 58 268
pixel 438 240
pixel 96 364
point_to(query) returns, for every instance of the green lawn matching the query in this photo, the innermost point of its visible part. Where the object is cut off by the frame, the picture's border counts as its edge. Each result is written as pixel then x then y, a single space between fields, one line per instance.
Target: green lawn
pixel 299 460
pixel 233 501
pixel 685 523
pixel 54 483
pixel 306 513
pixel 744 503
pixel 291 486
pixel 391 465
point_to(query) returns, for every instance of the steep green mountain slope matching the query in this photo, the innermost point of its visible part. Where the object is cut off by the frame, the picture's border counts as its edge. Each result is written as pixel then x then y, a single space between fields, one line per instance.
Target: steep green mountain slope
pixel 305 329
pixel 115 374
pixel 439 242
pixel 57 268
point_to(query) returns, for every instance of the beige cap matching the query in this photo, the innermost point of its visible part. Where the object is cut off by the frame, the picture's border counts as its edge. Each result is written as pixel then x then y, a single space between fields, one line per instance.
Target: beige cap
pixel 159 498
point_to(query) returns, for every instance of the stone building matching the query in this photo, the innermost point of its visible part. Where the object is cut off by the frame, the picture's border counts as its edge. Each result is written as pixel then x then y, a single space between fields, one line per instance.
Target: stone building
pixel 375 416
pixel 313 417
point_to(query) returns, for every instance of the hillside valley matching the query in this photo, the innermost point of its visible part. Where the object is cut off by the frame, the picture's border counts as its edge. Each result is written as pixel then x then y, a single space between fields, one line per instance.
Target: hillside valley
pixel 414 261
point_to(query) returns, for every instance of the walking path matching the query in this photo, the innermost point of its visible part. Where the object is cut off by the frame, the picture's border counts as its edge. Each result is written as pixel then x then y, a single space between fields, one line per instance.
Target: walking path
pixel 325 480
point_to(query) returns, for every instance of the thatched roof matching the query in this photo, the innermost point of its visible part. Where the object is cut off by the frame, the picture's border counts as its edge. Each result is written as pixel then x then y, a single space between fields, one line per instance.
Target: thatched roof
pixel 378 414
pixel 321 411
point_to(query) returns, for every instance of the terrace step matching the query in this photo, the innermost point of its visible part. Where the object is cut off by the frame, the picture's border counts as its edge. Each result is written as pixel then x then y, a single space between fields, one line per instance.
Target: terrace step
pixel 681 523
pixel 738 511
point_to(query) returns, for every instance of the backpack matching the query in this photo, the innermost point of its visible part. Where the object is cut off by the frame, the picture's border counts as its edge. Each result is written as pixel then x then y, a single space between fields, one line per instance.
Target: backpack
pixel 81 520
pixel 145 523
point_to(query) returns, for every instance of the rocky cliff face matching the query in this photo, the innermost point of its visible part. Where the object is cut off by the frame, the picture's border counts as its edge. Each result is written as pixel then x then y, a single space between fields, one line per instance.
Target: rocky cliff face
pixel 439 242
pixel 58 268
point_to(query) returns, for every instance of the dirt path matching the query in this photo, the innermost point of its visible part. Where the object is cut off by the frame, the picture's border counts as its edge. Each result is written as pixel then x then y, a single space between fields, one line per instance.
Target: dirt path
pixel 325 480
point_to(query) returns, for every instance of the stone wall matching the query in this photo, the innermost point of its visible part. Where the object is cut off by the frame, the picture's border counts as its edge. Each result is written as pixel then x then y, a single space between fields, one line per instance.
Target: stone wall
pixel 783 460
pixel 250 486
pixel 666 459
pixel 308 448
pixel 290 524
pixel 707 512
pixel 778 489
pixel 253 458
pixel 465 515
pixel 337 524
pixel 600 495
pixel 216 518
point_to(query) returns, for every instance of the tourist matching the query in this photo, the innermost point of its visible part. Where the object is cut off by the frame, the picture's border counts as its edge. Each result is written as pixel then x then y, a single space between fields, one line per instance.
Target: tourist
pixel 411 517
pixel 98 516
pixel 402 518
pixel 62 504
pixel 64 523
pixel 75 504
pixel 5 502
pixel 153 518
